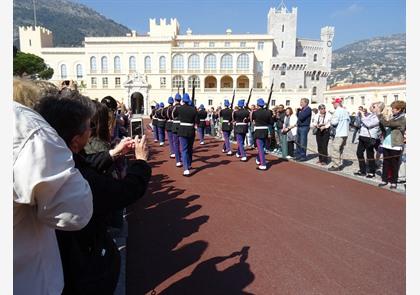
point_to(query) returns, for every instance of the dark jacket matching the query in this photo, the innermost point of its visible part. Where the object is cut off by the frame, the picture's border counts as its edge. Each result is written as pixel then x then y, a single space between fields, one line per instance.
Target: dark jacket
pixel 201 118
pixel 241 116
pixel 168 116
pixel 161 118
pixel 226 114
pixel 397 125
pixel 280 120
pixel 187 115
pixel 304 117
pixel 175 125
pixel 153 117
pixel 262 117
pixel 79 248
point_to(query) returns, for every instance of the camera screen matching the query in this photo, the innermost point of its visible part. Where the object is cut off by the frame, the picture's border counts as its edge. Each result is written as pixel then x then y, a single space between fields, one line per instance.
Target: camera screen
pixel 136 128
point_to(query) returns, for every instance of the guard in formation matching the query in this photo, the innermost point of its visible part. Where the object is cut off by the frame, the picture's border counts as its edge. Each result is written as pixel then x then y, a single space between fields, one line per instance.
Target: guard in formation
pixel 226 115
pixel 154 122
pixel 262 119
pixel 187 115
pixel 240 122
pixel 201 123
pixel 175 126
pixel 161 121
pixel 168 126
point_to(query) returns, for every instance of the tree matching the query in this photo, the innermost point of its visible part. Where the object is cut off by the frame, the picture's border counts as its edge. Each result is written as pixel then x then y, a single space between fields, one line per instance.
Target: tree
pixel 31 64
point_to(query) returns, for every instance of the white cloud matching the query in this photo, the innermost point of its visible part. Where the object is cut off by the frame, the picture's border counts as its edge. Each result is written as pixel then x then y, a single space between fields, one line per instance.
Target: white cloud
pixel 348 11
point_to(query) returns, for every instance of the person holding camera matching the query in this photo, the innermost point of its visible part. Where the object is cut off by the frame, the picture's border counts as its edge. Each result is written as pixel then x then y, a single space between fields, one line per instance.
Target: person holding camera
pixel 90 258
pixel 369 134
pixel 289 130
pixel 394 129
pixel 321 130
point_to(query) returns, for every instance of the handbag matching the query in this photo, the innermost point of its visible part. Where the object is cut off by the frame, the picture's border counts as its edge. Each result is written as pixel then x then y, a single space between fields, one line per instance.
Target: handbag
pixel 315 131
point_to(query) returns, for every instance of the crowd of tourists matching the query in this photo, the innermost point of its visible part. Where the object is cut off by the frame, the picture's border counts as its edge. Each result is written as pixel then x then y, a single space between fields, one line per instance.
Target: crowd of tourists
pixel 71 180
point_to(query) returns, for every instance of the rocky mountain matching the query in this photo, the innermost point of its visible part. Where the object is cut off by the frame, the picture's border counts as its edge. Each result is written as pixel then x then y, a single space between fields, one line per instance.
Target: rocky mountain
pixel 70 22
pixel 379 59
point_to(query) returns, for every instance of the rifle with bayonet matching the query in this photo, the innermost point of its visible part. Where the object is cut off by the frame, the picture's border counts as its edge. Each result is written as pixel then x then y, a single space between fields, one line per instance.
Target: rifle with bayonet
pixel 269 97
pixel 233 99
pixel 193 93
pixel 249 99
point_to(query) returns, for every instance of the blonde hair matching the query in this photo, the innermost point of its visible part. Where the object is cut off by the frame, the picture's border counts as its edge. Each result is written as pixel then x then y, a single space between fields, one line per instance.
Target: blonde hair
pixel 380 105
pixel 25 92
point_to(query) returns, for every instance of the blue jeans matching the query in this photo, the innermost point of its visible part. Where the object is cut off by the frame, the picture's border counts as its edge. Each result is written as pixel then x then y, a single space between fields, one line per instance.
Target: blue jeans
pixel 302 141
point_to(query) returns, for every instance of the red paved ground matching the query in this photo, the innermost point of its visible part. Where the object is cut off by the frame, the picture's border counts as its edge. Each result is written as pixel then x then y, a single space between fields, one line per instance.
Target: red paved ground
pixel 231 229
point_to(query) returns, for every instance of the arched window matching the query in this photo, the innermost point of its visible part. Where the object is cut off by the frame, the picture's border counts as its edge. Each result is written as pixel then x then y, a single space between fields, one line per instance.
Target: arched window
pixel 283 69
pixel 273 67
pixel 314 90
pixel 210 62
pixel 79 71
pixel 282 28
pixel 162 64
pixel 104 64
pixel 147 64
pixel 178 81
pixel 63 69
pixel 304 54
pixel 317 75
pixel 178 62
pixel 196 81
pixel 243 62
pixel 132 64
pixel 117 64
pixel 315 57
pixel 194 62
pixel 93 64
pixel 283 85
pixel 313 75
pixel 226 62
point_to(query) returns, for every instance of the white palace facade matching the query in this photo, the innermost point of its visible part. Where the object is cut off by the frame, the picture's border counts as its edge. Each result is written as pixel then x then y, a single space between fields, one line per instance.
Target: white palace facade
pixel 154 65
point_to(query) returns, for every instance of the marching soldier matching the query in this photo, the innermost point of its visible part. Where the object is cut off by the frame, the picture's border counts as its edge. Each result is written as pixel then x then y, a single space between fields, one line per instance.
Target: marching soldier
pixel 168 126
pixel 226 115
pixel 187 115
pixel 241 119
pixel 201 123
pixel 161 123
pixel 262 119
pixel 154 122
pixel 175 126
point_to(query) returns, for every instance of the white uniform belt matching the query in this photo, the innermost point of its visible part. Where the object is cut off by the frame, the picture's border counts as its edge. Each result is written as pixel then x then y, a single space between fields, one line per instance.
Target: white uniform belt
pixel 241 123
pixel 161 120
pixel 187 124
pixel 226 122
pixel 170 120
pixel 202 120
pixel 260 127
pixel 176 121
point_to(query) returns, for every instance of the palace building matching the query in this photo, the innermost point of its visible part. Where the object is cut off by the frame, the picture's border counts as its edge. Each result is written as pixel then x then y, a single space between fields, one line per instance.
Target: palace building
pixel 141 70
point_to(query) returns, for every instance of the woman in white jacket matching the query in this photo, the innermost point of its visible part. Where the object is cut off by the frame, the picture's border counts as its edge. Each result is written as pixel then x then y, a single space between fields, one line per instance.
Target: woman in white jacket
pixel 290 129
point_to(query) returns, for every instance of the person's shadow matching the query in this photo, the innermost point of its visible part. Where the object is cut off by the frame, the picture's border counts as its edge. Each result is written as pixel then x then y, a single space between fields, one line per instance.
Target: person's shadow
pixel 207 279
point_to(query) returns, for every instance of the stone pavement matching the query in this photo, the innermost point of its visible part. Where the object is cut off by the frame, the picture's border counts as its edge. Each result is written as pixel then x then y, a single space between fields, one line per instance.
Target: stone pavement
pixel 232 229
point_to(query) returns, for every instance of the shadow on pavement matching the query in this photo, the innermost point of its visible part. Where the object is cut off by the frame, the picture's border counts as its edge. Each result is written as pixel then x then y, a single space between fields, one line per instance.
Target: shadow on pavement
pixel 157 224
pixel 207 279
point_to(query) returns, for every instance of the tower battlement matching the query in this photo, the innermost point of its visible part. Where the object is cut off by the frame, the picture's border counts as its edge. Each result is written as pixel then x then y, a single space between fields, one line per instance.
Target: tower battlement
pixel 163 28
pixel 32 39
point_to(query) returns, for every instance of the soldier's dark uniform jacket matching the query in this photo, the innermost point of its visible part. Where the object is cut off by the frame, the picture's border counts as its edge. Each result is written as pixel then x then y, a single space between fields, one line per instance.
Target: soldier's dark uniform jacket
pixel 161 121
pixel 169 119
pixel 262 117
pixel 175 118
pixel 226 114
pixel 241 117
pixel 188 117
pixel 201 118
pixel 153 117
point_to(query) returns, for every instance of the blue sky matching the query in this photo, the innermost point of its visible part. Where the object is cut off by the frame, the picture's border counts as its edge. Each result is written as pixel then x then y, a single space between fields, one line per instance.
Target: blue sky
pixel 353 20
